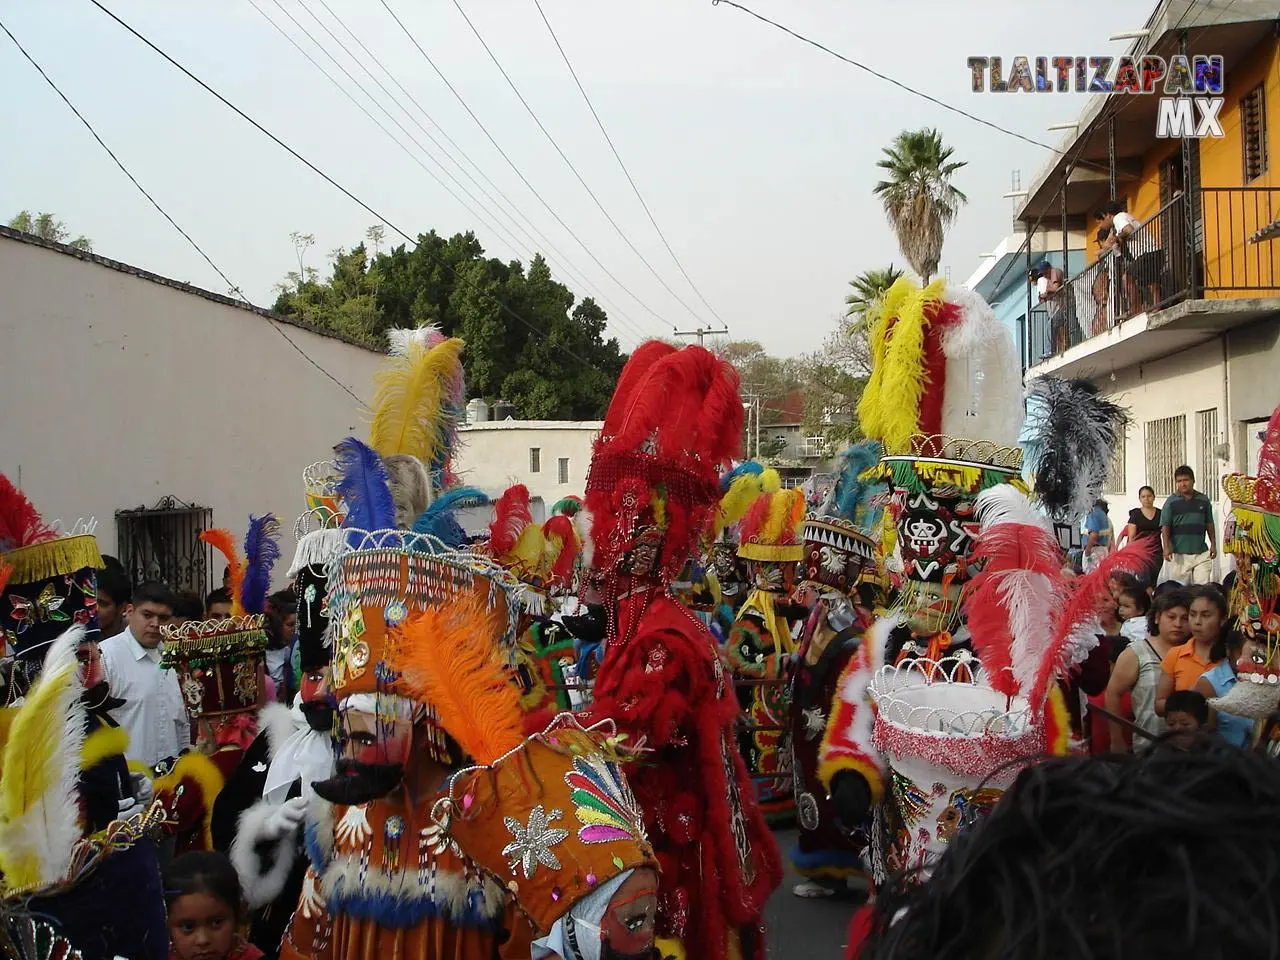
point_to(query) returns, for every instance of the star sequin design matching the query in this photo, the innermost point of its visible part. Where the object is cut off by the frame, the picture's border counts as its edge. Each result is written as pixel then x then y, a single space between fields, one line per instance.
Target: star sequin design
pixel 815 721
pixel 532 843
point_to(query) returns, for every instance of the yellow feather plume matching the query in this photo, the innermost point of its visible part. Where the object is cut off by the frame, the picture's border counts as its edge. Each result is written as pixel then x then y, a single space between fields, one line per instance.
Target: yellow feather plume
pixel 526 555
pixel 770 481
pixel 408 403
pixel 103 743
pixel 451 660
pixel 737 501
pixel 39 808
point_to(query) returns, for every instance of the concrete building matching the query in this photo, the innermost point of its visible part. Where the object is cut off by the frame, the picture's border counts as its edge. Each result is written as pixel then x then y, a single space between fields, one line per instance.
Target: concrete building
pixel 779 439
pixel 550 457
pixel 159 408
pixel 1184 331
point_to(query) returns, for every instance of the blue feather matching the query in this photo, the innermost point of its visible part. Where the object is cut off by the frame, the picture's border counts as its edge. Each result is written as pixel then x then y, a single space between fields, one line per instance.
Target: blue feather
pixel 751 466
pixel 850 493
pixel 261 551
pixel 363 487
pixel 438 519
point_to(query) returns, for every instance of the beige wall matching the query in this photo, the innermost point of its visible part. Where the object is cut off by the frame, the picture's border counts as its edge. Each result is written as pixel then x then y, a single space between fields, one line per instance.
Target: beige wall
pixel 494 455
pixel 120 390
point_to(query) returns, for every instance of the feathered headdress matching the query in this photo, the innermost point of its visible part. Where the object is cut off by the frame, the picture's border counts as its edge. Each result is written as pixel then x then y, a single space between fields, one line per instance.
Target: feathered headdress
pixel 941 365
pixel 544 555
pixel 852 493
pixel 1074 434
pixel 20 523
pixel 261 551
pixel 674 423
pixel 567 506
pixel 224 542
pixel 363 487
pixel 450 658
pixel 438 520
pixel 773 526
pixel 739 489
pixel 1029 623
pixel 39 802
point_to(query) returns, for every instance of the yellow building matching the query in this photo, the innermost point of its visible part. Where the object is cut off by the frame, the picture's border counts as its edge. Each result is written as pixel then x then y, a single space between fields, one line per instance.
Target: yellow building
pixel 1182 324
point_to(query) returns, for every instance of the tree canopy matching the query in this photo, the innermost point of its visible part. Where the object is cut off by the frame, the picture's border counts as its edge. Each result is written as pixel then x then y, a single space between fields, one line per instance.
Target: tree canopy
pixel 918 196
pixel 48 227
pixel 529 341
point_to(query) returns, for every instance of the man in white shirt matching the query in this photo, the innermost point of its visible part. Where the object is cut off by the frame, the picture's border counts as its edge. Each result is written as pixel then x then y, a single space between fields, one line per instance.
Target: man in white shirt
pixel 153 714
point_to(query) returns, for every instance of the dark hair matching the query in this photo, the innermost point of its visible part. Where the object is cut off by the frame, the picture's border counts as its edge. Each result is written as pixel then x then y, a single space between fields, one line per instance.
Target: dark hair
pixel 1139 598
pixel 187 605
pixel 1185 471
pixel 153 591
pixel 1190 702
pixel 114 583
pixel 1145 487
pixel 1230 640
pixel 1101 504
pixel 1102 231
pixel 1092 856
pixel 204 871
pixel 1167 600
pixel 217 596
pixel 1212 593
pixel 1115 206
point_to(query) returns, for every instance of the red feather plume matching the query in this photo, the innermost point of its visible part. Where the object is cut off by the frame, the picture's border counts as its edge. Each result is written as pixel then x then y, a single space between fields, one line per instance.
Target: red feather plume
pixel 1084 597
pixel 1269 464
pixel 20 522
pixel 635 370
pixel 562 528
pixel 511 514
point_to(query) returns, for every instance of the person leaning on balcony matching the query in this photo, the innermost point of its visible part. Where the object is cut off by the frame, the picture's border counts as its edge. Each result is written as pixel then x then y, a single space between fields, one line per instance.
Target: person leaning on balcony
pixel 1050 285
pixel 1186 531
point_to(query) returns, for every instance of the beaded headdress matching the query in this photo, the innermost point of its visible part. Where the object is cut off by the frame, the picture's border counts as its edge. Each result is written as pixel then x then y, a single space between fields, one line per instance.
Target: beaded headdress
pixel 48 581
pixel 674 422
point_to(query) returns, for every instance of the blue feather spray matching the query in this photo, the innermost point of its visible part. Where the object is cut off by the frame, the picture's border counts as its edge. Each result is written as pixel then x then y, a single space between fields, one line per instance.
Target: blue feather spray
pixel 751 466
pixel 363 487
pixel 438 519
pixel 261 551
pixel 849 492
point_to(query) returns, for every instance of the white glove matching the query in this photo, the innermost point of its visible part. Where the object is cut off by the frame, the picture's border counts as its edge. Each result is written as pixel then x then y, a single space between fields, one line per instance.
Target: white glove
pixel 284 819
pixel 142 792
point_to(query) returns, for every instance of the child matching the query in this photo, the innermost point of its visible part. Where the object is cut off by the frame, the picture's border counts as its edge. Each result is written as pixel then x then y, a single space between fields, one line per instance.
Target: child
pixel 202 893
pixel 1132 607
pixel 1186 713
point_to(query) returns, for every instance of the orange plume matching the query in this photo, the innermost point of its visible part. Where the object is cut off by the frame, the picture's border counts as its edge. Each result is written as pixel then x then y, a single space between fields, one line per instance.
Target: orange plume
pixel 449 658
pixel 225 543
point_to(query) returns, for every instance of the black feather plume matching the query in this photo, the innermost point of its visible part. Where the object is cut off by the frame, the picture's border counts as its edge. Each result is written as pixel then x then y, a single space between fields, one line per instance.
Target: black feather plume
pixel 1074 434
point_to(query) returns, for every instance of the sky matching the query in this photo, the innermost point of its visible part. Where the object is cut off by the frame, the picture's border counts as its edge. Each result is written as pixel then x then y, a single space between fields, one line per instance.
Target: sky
pixel 755 152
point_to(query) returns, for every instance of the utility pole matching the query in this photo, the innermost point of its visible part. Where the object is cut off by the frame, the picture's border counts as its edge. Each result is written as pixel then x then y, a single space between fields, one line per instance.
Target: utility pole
pixel 701 333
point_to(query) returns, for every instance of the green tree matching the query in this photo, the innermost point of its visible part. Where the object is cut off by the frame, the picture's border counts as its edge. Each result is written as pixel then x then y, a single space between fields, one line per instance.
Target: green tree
pixel 527 341
pixel 48 227
pixel 918 196
pixel 869 287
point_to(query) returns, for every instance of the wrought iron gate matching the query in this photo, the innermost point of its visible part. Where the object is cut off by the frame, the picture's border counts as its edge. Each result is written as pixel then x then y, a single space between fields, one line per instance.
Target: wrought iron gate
pixel 163 543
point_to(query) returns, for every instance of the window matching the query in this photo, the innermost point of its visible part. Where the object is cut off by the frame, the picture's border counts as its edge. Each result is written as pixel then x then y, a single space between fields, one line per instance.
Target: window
pixel 163 543
pixel 562 472
pixel 1116 471
pixel 1207 468
pixel 1253 128
pixel 535 459
pixel 1166 450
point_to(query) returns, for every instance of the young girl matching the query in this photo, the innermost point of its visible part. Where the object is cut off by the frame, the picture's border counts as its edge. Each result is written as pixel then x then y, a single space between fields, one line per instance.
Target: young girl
pixel 1132 607
pixel 1137 669
pixel 1182 667
pixel 1231 650
pixel 202 893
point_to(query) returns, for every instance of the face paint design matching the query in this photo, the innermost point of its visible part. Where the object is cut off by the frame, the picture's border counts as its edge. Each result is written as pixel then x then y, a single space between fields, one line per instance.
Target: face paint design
pixel 316 702
pixel 629 924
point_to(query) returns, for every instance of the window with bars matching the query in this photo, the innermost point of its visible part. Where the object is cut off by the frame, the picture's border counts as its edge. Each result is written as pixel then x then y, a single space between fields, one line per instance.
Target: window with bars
pixel 1253 128
pixel 562 470
pixel 1115 472
pixel 535 459
pixel 1165 442
pixel 1207 467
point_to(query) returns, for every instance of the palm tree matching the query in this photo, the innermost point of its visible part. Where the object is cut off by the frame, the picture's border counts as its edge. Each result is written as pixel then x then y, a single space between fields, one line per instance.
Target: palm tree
pixel 868 287
pixel 918 197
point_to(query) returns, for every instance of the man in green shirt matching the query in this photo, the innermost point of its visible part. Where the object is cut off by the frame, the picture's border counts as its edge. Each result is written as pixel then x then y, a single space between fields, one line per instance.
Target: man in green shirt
pixel 1186 531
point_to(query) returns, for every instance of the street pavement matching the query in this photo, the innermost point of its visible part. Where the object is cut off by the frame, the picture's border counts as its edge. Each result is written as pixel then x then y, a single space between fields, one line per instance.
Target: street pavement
pixel 805 929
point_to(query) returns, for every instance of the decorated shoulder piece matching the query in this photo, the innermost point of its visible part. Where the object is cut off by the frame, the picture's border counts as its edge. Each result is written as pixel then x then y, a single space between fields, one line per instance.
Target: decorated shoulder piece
pixel 1252 536
pixel 51 584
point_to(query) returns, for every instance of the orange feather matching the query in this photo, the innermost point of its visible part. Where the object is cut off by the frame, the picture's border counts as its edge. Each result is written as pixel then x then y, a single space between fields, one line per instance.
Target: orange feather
pixel 450 659
pixel 225 543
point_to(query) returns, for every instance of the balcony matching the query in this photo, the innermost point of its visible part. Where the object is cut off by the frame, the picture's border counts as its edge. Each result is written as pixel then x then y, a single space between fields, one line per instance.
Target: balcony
pixel 1176 281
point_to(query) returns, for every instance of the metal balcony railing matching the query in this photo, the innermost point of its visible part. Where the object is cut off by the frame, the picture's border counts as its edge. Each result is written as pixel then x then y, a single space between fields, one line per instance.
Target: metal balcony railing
pixel 1225 252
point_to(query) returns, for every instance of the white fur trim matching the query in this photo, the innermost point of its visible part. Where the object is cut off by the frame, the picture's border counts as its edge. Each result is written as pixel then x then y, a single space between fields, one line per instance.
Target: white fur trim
pixel 347 878
pixel 317 547
pixel 582 524
pixel 261 888
pixel 276 721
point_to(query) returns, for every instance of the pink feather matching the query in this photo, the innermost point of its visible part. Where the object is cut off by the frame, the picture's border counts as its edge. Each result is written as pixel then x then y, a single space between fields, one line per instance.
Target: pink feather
pixel 1269 463
pixel 511 514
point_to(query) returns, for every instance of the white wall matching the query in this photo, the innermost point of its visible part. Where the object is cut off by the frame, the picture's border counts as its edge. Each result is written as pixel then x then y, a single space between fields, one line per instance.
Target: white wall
pixel 495 454
pixel 119 390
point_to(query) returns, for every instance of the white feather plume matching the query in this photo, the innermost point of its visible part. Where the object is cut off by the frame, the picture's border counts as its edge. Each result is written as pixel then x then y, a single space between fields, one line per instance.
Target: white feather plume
pixel 1005 503
pixel 400 338
pixel 983 395
pixel 1031 601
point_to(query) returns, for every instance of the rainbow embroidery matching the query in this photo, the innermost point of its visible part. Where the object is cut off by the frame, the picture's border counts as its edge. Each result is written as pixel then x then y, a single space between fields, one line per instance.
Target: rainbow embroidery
pixel 604 803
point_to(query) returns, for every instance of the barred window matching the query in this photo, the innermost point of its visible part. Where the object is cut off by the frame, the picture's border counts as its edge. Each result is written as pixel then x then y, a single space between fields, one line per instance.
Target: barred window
pixel 1253 128
pixel 1116 471
pixel 1207 468
pixel 535 459
pixel 1165 441
pixel 563 470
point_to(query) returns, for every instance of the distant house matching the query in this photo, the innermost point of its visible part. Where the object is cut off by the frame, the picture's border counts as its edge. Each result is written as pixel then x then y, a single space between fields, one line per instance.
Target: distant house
pixel 783 442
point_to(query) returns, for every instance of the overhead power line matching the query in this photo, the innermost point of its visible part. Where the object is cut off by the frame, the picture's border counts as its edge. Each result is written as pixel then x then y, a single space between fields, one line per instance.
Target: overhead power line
pixel 320 173
pixel 500 203
pixel 235 290
pixel 617 156
pixel 569 163
pixel 518 172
